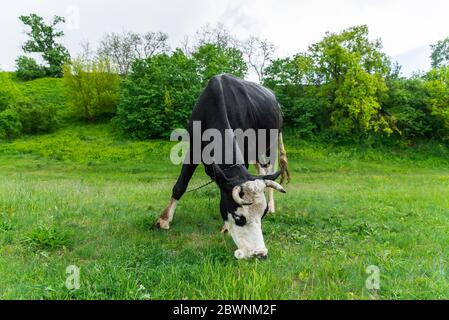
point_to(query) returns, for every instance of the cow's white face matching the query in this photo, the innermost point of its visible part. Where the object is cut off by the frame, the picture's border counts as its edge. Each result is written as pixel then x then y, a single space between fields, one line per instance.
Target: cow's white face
pixel 249 237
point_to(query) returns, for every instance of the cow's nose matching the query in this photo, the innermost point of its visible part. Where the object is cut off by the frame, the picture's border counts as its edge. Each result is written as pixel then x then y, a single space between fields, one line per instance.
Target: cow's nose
pixel 262 256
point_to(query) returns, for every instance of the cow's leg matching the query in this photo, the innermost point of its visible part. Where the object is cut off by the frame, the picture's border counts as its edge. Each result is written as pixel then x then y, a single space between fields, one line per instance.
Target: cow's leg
pixel 178 191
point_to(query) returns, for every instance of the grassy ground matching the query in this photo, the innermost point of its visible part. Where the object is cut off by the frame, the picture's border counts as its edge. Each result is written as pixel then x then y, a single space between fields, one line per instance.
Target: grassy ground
pixel 84 197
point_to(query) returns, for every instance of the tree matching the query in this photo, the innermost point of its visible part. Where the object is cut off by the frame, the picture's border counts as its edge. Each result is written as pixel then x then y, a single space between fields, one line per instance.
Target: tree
pixel 219 36
pixel 440 53
pixel 338 85
pixel 10 126
pixel 258 54
pixel 350 70
pixel 303 108
pixel 28 69
pixel 158 95
pixel 44 41
pixel 437 86
pixel 92 87
pixel 212 60
pixel 123 49
pixel 153 43
pixel 9 93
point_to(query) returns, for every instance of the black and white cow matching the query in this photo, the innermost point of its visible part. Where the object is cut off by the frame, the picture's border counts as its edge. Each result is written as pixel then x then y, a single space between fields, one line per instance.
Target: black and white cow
pixel 227 104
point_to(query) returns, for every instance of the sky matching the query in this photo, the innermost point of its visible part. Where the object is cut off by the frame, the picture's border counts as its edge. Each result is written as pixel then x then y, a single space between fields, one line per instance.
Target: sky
pixel 406 27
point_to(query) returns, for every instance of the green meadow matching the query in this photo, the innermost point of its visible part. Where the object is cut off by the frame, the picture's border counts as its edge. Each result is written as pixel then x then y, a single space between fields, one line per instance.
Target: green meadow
pixel 87 197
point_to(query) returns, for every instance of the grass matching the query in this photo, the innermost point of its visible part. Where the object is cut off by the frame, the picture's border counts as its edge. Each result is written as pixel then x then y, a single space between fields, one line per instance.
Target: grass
pixel 83 196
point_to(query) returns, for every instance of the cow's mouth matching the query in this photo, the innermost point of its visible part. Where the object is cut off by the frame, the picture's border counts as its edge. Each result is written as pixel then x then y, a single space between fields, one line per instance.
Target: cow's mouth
pixel 260 255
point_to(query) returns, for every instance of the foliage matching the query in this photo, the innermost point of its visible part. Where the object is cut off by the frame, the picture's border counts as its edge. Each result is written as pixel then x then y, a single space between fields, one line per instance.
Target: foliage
pixel 36 117
pixel 437 86
pixel 9 93
pixel 28 69
pixel 158 96
pixel 92 87
pixel 350 70
pixel 43 39
pixel 440 54
pixel 301 106
pixel 338 85
pixel 406 108
pixel 213 60
pixel 10 125
pixel 32 107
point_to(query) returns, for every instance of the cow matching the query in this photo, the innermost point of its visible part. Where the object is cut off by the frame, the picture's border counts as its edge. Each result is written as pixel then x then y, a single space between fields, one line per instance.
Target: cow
pixel 228 104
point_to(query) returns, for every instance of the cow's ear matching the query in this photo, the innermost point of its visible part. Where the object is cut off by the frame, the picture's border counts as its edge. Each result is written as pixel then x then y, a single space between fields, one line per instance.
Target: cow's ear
pixel 272 177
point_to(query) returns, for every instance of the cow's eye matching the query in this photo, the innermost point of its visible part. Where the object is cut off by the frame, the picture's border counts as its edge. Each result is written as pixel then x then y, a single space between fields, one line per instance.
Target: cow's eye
pixel 241 194
pixel 240 220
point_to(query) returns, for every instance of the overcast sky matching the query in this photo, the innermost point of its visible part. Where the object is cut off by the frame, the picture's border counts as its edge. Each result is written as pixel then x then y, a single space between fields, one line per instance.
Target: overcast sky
pixel 407 27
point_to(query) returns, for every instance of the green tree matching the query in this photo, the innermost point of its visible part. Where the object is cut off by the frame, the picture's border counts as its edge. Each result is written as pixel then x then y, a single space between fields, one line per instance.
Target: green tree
pixel 212 60
pixel 302 109
pixel 158 95
pixel 9 93
pixel 440 53
pixel 437 86
pixel 10 126
pixel 43 40
pixel 92 87
pixel 338 85
pixel 406 108
pixel 28 69
pixel 350 70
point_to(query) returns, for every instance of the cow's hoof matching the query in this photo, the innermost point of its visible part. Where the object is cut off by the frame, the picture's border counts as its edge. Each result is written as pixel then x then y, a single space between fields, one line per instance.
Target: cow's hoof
pixel 271 208
pixel 162 224
pixel 224 229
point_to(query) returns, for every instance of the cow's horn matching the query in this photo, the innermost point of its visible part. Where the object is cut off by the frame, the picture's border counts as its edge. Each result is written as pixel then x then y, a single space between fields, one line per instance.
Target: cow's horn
pixel 274 185
pixel 236 196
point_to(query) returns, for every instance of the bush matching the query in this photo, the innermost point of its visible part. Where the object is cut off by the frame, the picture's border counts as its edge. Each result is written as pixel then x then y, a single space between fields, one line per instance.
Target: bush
pixel 28 69
pixel 406 108
pixel 92 88
pixel 158 96
pixel 10 126
pixel 437 86
pixel 35 117
pixel 8 92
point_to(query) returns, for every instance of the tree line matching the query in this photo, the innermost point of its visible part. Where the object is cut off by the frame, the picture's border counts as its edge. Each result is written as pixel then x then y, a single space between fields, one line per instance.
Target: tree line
pixel 343 88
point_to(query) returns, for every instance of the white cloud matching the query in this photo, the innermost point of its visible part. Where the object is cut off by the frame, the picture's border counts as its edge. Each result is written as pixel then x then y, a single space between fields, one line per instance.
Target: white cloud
pixel 292 25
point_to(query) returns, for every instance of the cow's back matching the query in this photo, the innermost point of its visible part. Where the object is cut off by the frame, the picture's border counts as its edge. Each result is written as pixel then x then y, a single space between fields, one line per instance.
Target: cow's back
pixel 228 102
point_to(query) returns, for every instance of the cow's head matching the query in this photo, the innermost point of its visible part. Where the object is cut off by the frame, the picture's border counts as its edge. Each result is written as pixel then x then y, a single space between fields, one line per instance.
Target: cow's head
pixel 243 207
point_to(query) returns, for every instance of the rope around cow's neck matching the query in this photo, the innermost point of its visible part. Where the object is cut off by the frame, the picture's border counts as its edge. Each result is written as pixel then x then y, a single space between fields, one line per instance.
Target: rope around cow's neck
pixel 200 187
pixel 211 181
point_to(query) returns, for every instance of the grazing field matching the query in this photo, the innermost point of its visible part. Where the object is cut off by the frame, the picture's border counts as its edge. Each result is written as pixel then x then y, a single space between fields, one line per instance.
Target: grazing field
pixel 84 197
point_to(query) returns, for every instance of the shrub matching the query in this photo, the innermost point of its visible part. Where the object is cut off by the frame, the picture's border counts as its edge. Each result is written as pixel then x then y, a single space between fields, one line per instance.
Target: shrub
pixel 92 88
pixel 158 95
pixel 437 86
pixel 212 60
pixel 406 108
pixel 10 125
pixel 36 117
pixel 28 69
pixel 8 92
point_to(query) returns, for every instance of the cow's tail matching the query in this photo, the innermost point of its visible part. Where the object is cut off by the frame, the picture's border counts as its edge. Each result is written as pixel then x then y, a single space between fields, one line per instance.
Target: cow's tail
pixel 283 161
